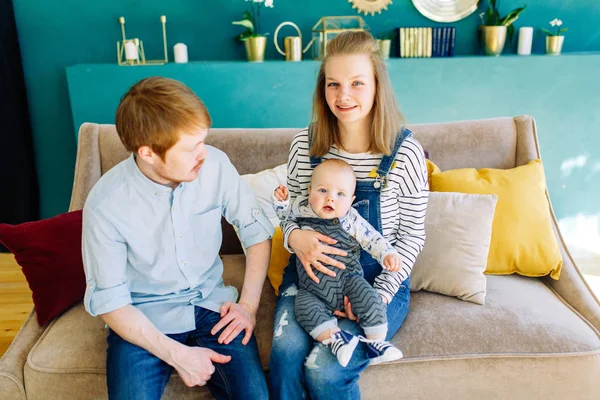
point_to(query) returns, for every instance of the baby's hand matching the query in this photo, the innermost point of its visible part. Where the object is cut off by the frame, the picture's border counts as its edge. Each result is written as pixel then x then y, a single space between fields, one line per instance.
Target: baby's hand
pixel 392 262
pixel 281 193
pixel 385 301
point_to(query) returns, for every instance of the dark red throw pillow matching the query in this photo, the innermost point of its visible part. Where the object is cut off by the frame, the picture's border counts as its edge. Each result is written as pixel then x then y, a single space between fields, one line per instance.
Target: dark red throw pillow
pixel 49 253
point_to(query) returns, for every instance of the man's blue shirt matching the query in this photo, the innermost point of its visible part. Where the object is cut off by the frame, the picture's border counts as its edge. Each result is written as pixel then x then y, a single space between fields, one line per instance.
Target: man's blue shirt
pixel 158 248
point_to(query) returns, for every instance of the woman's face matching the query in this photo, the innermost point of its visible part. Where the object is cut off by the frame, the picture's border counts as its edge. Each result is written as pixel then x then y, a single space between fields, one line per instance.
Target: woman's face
pixel 350 87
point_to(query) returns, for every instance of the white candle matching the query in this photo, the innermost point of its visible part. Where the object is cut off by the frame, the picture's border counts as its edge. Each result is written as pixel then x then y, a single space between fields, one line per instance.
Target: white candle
pixel 525 38
pixel 131 51
pixel 181 54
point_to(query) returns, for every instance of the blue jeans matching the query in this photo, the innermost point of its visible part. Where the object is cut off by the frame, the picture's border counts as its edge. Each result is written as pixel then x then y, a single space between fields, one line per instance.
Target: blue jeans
pixel 134 373
pixel 300 368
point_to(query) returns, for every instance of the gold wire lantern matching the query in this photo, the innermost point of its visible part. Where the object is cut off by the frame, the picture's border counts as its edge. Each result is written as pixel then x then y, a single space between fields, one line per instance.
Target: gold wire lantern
pixel 131 51
pixel 329 27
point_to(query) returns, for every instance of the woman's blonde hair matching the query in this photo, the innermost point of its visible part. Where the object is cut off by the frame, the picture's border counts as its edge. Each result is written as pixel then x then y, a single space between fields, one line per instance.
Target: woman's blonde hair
pixel 155 111
pixel 387 118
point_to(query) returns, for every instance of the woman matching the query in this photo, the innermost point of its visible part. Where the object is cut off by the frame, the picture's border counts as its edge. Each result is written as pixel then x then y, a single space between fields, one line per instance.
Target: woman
pixel 355 118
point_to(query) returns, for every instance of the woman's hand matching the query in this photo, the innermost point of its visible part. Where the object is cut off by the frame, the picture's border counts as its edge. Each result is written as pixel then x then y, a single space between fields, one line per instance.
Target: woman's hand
pixel 347 313
pixel 312 248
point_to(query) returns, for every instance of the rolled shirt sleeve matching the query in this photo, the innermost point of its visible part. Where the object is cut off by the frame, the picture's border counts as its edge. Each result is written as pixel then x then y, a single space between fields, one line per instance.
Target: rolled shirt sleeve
pixel 105 260
pixel 242 209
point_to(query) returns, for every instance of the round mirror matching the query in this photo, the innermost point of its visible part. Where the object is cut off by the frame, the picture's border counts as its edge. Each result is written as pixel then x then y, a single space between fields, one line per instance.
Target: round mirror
pixel 370 6
pixel 445 10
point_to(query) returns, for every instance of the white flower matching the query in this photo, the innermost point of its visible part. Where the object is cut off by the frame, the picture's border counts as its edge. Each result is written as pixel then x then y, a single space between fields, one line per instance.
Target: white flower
pixel 269 3
pixel 556 22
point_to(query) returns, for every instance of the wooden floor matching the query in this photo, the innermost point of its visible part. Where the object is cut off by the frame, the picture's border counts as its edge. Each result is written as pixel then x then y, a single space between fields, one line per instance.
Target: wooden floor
pixel 15 300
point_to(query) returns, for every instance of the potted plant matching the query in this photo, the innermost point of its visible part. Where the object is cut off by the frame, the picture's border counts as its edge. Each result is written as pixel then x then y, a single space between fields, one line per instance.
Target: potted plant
pixel 494 28
pixel 254 41
pixel 554 40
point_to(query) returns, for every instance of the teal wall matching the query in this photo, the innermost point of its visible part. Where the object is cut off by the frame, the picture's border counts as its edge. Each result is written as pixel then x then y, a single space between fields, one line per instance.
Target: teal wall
pixel 56 34
pixel 243 95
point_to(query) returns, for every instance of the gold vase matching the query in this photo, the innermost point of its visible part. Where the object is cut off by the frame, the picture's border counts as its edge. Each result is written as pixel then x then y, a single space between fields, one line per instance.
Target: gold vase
pixel 493 39
pixel 255 48
pixel 554 45
pixel 384 47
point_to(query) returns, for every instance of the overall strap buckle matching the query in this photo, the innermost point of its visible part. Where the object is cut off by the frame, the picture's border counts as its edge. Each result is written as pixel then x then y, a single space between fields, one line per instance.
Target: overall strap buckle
pixel 380 181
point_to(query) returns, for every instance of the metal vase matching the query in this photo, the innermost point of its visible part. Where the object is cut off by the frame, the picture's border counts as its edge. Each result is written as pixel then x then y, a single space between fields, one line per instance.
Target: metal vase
pixel 554 45
pixel 493 39
pixel 384 47
pixel 255 48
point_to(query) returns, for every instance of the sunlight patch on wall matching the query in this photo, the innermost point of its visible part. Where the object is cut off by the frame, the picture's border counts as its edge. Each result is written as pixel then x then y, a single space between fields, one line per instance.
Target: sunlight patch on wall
pixel 582 232
pixel 567 166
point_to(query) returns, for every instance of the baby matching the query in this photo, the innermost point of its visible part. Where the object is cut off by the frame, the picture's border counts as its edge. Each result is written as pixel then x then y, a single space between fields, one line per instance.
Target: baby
pixel 328 210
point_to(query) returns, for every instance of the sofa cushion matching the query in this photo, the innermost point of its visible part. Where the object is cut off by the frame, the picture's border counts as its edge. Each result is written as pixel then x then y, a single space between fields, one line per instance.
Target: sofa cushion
pixel 49 253
pixel 523 241
pixel 458 228
pixel 280 258
pixel 522 318
pixel 263 184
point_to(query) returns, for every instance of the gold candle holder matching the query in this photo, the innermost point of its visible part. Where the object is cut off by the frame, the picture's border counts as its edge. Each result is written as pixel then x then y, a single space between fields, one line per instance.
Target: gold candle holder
pixel 131 51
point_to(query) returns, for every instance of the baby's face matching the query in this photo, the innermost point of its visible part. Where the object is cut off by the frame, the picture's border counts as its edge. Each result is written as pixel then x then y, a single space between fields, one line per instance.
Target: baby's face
pixel 331 192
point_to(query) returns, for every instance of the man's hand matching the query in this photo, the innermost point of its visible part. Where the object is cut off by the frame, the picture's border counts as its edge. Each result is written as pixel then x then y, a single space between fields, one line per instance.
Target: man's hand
pixel 236 317
pixel 195 364
pixel 392 262
pixel 281 193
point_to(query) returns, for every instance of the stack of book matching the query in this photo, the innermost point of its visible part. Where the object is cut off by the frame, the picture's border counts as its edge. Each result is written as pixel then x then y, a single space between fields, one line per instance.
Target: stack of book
pixel 427 42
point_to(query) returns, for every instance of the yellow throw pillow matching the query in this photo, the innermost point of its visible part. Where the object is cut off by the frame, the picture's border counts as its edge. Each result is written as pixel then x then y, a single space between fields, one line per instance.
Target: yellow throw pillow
pixel 431 169
pixel 279 260
pixel 523 240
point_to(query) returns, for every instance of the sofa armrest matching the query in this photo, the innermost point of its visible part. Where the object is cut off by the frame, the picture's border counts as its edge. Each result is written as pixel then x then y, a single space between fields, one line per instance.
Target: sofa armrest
pixel 13 361
pixel 572 286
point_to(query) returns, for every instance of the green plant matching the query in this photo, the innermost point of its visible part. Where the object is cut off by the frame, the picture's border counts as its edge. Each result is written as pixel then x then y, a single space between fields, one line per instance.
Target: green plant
pixel 491 17
pixel 557 23
pixel 251 19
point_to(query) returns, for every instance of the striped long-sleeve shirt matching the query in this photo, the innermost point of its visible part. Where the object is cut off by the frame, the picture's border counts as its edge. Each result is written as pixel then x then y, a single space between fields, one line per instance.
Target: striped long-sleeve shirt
pixel 403 200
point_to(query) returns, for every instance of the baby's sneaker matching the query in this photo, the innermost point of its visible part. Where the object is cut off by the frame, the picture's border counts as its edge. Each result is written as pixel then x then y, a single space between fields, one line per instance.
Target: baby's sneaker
pixel 380 351
pixel 342 345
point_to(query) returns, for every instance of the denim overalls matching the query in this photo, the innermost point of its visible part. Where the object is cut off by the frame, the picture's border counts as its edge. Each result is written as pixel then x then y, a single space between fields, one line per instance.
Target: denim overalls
pixel 368 204
pixel 291 346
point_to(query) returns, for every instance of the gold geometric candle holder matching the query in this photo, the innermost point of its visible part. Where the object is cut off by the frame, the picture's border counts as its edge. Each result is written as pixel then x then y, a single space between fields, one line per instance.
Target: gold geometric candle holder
pixel 130 52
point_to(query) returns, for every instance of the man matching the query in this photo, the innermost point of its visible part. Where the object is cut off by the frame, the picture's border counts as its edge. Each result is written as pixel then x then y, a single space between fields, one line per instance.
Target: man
pixel 151 237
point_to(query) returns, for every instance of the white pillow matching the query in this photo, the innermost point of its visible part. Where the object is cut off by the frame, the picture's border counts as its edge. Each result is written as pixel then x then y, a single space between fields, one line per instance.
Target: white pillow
pixel 263 184
pixel 458 227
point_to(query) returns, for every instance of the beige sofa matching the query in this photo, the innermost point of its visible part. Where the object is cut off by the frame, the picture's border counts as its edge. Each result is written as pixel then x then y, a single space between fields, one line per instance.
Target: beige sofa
pixel 534 338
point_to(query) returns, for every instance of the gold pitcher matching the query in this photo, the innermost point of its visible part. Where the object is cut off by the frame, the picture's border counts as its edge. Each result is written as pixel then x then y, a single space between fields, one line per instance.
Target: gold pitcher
pixel 292 45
